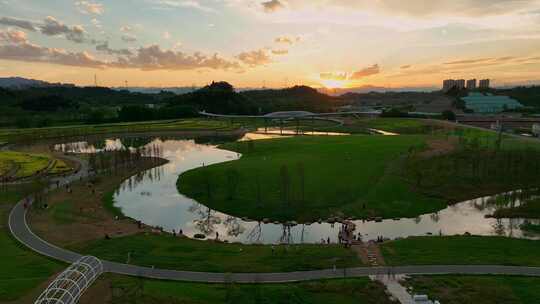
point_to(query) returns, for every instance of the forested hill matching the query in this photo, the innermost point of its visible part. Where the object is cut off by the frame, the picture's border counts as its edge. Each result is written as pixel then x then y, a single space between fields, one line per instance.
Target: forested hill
pixel 81 95
pixel 46 106
pixel 528 96
pixel 290 99
pixel 220 97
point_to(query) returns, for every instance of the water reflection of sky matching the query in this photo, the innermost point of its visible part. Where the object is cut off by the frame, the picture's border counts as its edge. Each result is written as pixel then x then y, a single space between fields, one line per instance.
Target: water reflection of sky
pixel 152 197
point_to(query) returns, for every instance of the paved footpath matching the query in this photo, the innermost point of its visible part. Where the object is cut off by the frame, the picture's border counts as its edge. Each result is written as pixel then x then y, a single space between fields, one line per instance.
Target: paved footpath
pixel 21 231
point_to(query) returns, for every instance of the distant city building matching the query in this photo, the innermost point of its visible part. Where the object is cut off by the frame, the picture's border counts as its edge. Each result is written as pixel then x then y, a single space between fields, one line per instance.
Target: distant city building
pixel 471 84
pixel 460 84
pixel 448 84
pixel 484 84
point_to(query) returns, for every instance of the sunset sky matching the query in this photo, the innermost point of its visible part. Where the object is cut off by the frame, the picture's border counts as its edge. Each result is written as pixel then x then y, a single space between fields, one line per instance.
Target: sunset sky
pixel 322 43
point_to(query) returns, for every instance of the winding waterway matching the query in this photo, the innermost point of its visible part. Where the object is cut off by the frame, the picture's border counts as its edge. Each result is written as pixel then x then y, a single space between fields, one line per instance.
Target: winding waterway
pixel 152 197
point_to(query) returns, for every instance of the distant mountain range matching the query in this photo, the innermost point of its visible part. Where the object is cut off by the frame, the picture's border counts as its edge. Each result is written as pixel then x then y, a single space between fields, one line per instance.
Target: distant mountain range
pixel 371 88
pixel 23 83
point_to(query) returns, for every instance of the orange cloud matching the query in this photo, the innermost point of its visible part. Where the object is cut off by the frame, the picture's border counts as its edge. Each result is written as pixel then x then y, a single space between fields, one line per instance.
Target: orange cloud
pixel 371 70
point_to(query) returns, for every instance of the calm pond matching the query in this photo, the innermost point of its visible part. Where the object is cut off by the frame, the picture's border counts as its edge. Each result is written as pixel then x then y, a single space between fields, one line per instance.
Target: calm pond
pixel 152 197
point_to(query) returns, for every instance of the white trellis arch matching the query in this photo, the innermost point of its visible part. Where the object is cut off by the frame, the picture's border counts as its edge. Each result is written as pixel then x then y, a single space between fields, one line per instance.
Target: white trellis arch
pixel 68 287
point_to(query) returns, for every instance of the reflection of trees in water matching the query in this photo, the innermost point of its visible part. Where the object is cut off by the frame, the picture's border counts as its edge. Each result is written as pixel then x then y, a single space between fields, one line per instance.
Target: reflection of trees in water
pixel 234 226
pixel 148 176
pixel 286 236
pixel 206 220
pixel 136 142
pixel 435 217
pixel 479 204
pixel 255 234
pixel 499 228
pixel 511 199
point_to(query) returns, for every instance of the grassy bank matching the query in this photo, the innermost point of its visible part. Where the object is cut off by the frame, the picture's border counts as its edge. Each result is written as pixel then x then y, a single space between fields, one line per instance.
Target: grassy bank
pixel 528 209
pixel 19 135
pixel 130 290
pixel 530 227
pixel 307 178
pixel 22 269
pixel 394 125
pixel 169 252
pixel 462 250
pixel 476 167
pixel 85 212
pixel 478 289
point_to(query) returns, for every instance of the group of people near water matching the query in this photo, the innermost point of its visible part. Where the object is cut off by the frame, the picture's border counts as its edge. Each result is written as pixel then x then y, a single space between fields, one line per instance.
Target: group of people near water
pixel 346 235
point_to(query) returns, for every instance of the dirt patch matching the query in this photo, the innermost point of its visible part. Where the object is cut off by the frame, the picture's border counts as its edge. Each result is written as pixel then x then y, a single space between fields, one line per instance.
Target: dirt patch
pixel 369 253
pixel 439 147
pixel 77 214
pixel 99 292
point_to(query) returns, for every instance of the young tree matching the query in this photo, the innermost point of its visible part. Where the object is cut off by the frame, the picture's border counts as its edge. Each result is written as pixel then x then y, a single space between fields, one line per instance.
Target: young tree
pixel 302 177
pixel 232 182
pixel 258 189
pixel 285 184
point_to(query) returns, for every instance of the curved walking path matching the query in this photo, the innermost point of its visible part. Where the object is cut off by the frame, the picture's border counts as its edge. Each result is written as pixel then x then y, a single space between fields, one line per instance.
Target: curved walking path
pixel 21 231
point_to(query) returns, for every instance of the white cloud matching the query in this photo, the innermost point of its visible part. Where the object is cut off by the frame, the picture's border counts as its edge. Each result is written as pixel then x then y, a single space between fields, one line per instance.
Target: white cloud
pixel 29 52
pixel 52 27
pixel 365 72
pixel 255 58
pixel 287 39
pixel 155 58
pixel 126 29
pixel 104 47
pixel 272 5
pixel 96 23
pixel 87 7
pixel 23 24
pixel 13 36
pixel 170 4
pixel 280 52
pixel 128 38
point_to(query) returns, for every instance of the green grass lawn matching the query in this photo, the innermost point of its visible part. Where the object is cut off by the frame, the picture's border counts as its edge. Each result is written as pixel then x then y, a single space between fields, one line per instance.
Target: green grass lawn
pixel 395 125
pixel 342 291
pixel 307 178
pixel 168 252
pixel 469 172
pixel 478 289
pixel 22 269
pixel 462 250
